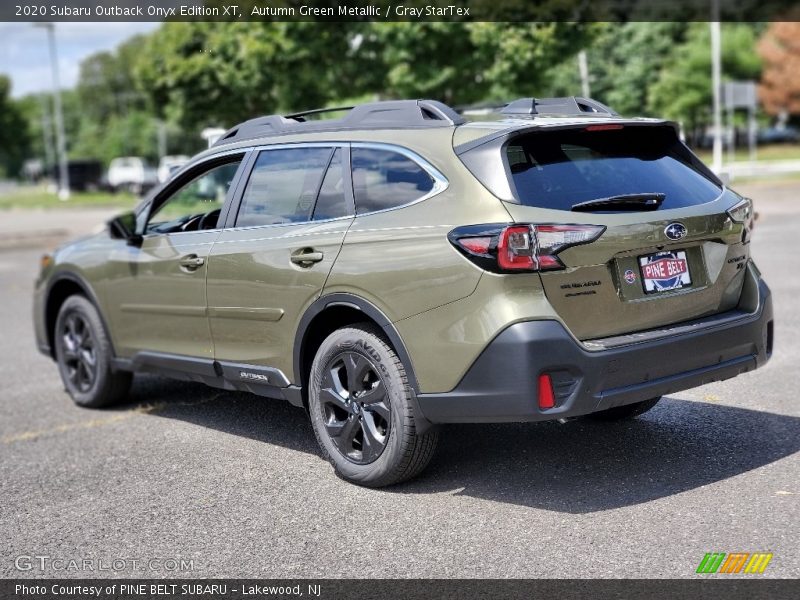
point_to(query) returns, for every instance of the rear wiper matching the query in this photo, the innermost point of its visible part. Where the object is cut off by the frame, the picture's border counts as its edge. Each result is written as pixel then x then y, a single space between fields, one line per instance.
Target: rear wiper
pixel 643 201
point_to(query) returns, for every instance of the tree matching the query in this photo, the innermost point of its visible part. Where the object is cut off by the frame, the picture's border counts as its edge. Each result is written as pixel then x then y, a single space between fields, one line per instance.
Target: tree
pixel 516 59
pixel 683 89
pixel 624 59
pixel 779 48
pixel 14 134
pixel 422 60
pixel 106 85
pixel 205 74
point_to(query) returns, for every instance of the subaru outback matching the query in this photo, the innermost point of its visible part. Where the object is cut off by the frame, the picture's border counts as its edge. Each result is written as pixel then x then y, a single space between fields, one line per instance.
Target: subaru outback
pixel 398 268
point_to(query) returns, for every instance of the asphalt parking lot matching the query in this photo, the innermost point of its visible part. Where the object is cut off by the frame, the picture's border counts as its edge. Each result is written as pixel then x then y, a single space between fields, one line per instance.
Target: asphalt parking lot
pixel 235 484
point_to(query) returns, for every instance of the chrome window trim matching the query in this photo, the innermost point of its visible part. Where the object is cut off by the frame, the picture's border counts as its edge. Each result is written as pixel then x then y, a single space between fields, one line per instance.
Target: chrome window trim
pixel 148 205
pixel 287 146
pixel 440 182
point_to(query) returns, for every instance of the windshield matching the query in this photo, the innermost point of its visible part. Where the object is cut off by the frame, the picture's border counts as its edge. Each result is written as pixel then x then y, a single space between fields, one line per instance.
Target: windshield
pixel 558 169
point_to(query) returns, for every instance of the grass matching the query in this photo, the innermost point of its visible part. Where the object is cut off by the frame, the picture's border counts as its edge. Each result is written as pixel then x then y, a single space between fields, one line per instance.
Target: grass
pixel 783 178
pixel 38 197
pixel 770 152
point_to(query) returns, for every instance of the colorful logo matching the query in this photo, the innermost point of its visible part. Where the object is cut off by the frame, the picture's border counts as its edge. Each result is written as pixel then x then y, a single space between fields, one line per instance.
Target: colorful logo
pixel 735 562
pixel 630 276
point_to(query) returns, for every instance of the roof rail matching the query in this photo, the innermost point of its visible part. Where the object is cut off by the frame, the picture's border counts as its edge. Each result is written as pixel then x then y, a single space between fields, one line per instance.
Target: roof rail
pixel 392 114
pixel 300 116
pixel 569 105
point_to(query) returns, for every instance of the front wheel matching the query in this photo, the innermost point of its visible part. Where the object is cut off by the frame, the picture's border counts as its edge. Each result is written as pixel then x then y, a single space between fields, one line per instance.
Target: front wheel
pixel 361 410
pixel 83 353
pixel 627 411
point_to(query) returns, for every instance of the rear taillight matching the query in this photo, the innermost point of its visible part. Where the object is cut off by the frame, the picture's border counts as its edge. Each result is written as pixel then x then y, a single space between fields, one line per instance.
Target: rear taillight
pixel 515 248
pixel 741 212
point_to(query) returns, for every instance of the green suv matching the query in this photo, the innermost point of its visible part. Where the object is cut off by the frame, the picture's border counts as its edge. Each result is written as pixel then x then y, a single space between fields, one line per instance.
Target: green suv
pixel 399 267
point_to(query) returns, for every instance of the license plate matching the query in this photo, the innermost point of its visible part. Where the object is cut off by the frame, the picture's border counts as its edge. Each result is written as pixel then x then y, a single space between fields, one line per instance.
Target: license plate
pixel 665 271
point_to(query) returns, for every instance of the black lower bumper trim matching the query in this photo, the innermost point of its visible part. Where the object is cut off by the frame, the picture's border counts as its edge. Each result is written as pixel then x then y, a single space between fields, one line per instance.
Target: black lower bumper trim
pixel 501 385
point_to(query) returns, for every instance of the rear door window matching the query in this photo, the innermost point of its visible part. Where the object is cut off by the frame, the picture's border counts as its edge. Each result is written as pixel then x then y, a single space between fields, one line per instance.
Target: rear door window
pixel 283 186
pixel 558 169
pixel 386 179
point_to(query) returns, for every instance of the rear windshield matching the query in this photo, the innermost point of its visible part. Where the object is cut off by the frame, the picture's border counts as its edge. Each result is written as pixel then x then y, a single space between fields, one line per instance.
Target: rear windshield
pixel 558 169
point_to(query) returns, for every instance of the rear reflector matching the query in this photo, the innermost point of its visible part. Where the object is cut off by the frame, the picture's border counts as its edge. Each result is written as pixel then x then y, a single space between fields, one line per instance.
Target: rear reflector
pixel 546 397
pixel 478 245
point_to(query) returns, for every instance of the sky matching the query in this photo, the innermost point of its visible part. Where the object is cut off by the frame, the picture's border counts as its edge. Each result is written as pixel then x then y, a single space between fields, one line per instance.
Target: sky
pixel 24 55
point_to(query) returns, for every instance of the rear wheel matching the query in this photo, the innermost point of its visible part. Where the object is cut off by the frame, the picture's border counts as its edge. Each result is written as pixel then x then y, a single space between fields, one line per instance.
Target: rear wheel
pixel 83 353
pixel 627 411
pixel 361 409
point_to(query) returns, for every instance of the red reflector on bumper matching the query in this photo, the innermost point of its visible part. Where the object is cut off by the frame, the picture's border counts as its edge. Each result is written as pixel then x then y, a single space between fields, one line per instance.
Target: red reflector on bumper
pixel 546 397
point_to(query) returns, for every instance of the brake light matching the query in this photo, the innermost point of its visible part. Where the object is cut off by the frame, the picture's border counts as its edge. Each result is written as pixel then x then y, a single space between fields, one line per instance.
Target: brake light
pixel 608 127
pixel 520 248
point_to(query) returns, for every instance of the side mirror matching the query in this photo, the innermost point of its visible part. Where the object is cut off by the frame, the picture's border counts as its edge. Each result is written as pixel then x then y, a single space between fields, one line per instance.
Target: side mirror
pixel 123 227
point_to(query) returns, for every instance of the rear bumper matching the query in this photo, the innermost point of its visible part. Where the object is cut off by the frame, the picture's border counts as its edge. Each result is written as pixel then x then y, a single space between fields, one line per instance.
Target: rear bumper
pixel 500 386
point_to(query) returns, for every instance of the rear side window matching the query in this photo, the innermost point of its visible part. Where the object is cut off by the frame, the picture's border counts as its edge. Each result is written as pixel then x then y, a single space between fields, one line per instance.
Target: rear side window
pixel 386 179
pixel 283 186
pixel 332 201
pixel 558 169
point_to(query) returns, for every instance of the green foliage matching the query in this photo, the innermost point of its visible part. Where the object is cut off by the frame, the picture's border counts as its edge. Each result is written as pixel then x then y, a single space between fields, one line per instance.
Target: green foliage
pixel 516 58
pixel 200 74
pixel 14 135
pixel 132 133
pixel 205 74
pixel 683 89
pixel 429 59
pixel 106 87
pixel 627 60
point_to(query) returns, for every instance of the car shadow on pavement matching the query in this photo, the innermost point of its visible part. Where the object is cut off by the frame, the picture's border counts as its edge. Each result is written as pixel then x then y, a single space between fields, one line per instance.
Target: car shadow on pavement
pixel 579 467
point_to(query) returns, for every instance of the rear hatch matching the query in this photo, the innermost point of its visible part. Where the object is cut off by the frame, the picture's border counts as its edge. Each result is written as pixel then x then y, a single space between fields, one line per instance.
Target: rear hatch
pixel 671 252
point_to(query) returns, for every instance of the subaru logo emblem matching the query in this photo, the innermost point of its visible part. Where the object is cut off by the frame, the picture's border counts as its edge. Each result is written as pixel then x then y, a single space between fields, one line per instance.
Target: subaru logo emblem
pixel 675 231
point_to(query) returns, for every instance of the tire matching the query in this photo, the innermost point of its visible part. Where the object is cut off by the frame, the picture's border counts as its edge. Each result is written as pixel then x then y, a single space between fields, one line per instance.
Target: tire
pixel 360 404
pixel 627 411
pixel 83 354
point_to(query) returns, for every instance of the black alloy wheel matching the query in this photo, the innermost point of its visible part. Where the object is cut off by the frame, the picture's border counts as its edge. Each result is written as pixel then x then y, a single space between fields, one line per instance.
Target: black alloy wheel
pixel 356 407
pixel 85 356
pixel 79 354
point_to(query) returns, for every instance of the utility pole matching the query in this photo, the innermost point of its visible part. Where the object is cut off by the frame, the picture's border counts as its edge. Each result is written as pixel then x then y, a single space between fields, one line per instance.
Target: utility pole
pixel 162 138
pixel 47 133
pixel 716 81
pixel 583 68
pixel 61 144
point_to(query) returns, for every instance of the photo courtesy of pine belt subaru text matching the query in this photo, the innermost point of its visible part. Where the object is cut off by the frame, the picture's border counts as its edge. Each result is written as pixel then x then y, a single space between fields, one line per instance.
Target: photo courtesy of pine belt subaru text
pixel 399 267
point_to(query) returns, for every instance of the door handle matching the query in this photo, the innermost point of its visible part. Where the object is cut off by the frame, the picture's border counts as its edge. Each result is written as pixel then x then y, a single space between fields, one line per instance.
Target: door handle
pixel 304 257
pixel 192 261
